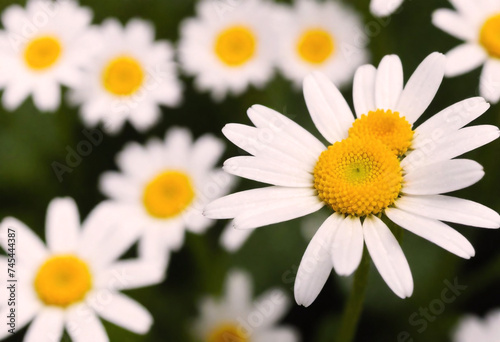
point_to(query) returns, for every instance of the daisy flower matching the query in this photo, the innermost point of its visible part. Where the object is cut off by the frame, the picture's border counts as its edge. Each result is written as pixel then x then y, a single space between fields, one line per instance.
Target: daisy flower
pixel 383 8
pixel 477 23
pixel 41 47
pixel 229 48
pixel 236 317
pixel 471 329
pixel 321 37
pixel 129 78
pixel 377 164
pixel 165 185
pixel 76 278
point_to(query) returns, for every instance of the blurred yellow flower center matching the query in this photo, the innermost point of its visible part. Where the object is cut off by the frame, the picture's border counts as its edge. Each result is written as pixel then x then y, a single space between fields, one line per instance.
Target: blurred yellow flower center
pixel 42 53
pixel 315 46
pixel 387 126
pixel 236 45
pixel 227 332
pixel 168 194
pixel 490 36
pixel 358 176
pixel 123 76
pixel 63 280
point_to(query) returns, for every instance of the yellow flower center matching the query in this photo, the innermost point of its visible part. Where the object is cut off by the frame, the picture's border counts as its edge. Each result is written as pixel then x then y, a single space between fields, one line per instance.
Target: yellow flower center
pixel 358 176
pixel 236 45
pixel 387 126
pixel 315 46
pixel 489 36
pixel 123 76
pixel 63 280
pixel 168 194
pixel 42 53
pixel 227 332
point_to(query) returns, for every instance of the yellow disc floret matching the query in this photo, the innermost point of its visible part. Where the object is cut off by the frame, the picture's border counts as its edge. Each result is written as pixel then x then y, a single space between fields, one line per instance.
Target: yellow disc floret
pixel 358 176
pixel 168 194
pixel 227 332
pixel 123 76
pixel 63 280
pixel 236 45
pixel 387 126
pixel 315 45
pixel 489 36
pixel 42 53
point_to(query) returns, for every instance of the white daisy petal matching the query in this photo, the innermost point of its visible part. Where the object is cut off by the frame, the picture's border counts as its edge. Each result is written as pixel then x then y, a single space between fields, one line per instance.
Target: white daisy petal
pixel 238 289
pixel 347 246
pixel 264 117
pixel 388 256
pixel 316 264
pixel 267 171
pixel 62 225
pixel 465 7
pixel 279 211
pixel 450 209
pixel 268 144
pixel 47 96
pixel 452 23
pixel 206 152
pixel 14 95
pixel 29 248
pixel 153 243
pixel 47 326
pixel 277 335
pixel 451 146
pixel 434 231
pixel 234 204
pixel 362 91
pixel 383 8
pixel 464 58
pixel 280 305
pixel 388 82
pixel 83 325
pixel 124 312
pixel 422 87
pixel 232 239
pixel 130 274
pixel 450 119
pixel 489 86
pixel 119 187
pixel 442 177
pixel 329 110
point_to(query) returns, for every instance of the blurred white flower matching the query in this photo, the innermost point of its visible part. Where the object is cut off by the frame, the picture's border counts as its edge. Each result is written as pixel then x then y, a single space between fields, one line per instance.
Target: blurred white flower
pixel 229 48
pixel 376 164
pixel 478 24
pixel 76 278
pixel 382 8
pixel 321 36
pixel 43 46
pixel 129 78
pixel 238 318
pixel 472 329
pixel 165 185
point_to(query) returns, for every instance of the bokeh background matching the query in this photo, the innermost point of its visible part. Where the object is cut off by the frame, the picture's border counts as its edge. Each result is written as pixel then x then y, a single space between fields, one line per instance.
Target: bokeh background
pixel 31 141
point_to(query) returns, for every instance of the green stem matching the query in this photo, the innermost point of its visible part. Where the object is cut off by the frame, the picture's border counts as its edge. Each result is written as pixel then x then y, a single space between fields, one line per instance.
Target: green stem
pixel 354 305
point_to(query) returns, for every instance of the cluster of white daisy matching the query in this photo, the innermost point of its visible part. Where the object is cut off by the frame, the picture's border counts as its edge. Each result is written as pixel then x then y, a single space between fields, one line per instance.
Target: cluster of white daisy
pixel 118 73
pixel 377 169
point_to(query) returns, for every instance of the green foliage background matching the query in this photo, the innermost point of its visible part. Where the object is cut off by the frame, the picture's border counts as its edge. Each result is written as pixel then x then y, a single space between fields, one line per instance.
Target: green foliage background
pixel 30 141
